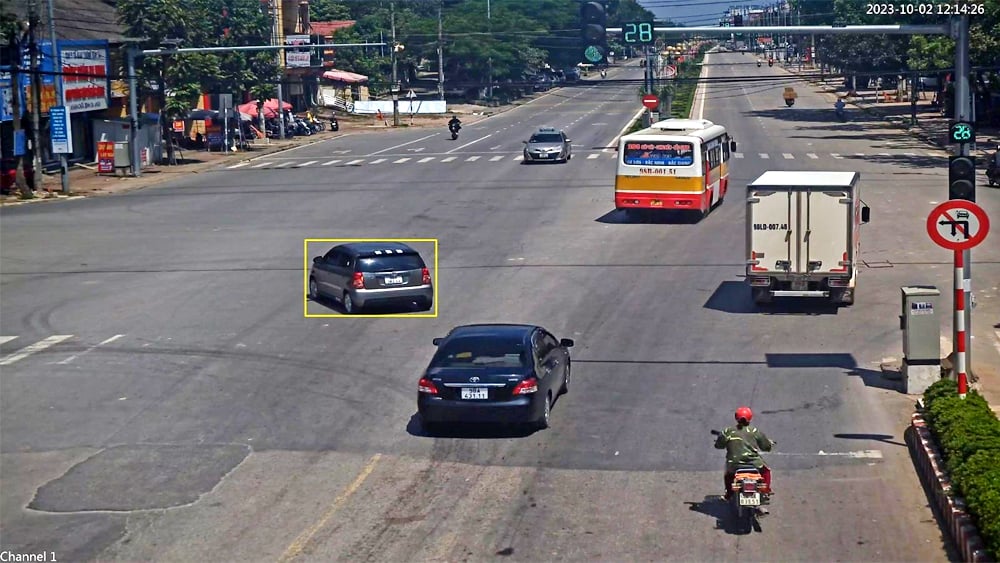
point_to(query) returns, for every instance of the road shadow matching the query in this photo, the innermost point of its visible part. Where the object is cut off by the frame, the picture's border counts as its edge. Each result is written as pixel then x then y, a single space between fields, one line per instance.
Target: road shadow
pixel 883 438
pixel 718 508
pixel 798 306
pixel 731 297
pixel 649 217
pixel 381 309
pixel 841 360
pixel 469 431
pixel 876 379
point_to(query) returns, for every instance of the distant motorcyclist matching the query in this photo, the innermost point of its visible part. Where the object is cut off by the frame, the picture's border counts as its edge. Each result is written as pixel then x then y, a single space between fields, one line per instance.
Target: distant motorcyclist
pixel 838 107
pixel 604 73
pixel 993 168
pixel 455 124
pixel 743 444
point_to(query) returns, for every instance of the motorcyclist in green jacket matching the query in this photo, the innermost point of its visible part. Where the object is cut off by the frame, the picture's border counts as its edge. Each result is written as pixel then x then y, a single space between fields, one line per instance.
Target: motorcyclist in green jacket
pixel 743 444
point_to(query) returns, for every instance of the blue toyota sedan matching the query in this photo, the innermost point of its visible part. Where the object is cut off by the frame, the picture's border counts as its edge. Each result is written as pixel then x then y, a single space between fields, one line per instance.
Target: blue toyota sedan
pixel 494 373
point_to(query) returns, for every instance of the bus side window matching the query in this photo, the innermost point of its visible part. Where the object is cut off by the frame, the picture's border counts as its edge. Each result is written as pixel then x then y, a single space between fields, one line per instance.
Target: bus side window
pixel 725 152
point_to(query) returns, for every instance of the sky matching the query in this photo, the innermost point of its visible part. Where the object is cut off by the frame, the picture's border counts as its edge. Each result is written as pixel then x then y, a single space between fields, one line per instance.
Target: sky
pixel 695 12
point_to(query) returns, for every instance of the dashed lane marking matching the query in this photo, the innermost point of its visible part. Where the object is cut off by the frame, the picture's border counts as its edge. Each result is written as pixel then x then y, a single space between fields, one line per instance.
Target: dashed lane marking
pixel 307 163
pixel 88 350
pixel 593 156
pixel 788 156
pixel 738 155
pixel 262 164
pixel 472 158
pixel 283 164
pixel 240 165
pixel 426 159
pixel 764 155
pixel 496 158
pixel 404 159
pixel 378 161
pixel 6 339
pixel 812 155
pixel 356 161
pixel 332 162
pixel 448 159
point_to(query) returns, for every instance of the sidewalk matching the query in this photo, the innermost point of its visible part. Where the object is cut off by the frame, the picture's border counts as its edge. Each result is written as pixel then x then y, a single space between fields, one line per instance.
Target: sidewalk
pixel 930 125
pixel 84 181
pixel 932 128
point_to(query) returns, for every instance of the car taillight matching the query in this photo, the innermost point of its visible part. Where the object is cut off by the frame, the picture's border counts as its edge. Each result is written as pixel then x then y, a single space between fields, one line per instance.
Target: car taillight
pixel 526 387
pixel 359 280
pixel 427 386
pixel 426 276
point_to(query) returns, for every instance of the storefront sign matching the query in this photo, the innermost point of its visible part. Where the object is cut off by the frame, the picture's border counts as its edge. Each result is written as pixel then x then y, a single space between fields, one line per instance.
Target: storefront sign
pixel 299 58
pixel 105 156
pixel 85 75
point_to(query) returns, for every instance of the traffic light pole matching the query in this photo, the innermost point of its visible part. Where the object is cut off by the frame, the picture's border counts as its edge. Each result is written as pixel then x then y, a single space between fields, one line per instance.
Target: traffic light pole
pixel 963 112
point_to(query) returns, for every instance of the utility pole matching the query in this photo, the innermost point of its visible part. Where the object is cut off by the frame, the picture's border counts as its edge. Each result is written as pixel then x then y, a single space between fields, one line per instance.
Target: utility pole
pixel 60 97
pixel 281 68
pixel 394 89
pixel 440 52
pixel 17 58
pixel 36 95
pixel 489 61
pixel 963 112
pixel 133 107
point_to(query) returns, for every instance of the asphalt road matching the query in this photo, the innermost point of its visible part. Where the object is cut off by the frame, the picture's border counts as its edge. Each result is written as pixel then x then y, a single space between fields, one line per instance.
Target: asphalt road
pixel 178 406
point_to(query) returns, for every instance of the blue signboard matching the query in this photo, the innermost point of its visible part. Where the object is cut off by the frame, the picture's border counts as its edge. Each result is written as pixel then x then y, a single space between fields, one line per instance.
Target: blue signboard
pixel 60 131
pixel 20 142
pixel 6 96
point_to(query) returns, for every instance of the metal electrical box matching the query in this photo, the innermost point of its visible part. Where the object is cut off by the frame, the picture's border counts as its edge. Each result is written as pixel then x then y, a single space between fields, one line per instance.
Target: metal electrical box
pixel 920 324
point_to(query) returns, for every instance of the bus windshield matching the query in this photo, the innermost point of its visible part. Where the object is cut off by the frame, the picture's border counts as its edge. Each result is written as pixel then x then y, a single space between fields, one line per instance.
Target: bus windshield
pixel 650 153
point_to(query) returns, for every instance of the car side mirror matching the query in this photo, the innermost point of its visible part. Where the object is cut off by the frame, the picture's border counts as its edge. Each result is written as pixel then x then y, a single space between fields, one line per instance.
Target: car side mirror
pixel 732 146
pixel 525 142
pixel 866 214
pixel 317 260
pixel 567 342
pixel 436 341
pixel 569 140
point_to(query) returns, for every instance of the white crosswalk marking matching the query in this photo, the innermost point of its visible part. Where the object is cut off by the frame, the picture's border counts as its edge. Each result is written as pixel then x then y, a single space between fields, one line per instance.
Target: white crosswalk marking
pixel 356 161
pixel 764 155
pixel 379 160
pixel 909 154
pixel 788 156
pixel 90 349
pixel 283 164
pixel 738 155
pixel 404 159
pixel 34 348
pixel 308 163
pixel 592 156
pixel 426 159
pixel 331 162
pixel 240 165
pixel 473 158
pixel 836 155
pixel 6 339
pixel 496 158
pixel 448 159
pixel 261 165
pixel 812 155
pixel 518 157
pixel 859 154
pixel 884 154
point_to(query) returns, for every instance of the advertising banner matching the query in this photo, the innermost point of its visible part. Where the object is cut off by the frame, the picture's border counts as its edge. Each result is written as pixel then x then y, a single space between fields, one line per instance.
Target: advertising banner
pixel 297 58
pixel 85 75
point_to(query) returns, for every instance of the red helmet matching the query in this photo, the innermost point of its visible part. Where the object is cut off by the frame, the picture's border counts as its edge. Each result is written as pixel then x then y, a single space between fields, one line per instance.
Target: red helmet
pixel 744 415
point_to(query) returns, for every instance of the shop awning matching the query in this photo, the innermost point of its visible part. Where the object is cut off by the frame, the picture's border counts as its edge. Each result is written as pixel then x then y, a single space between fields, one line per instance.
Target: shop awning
pixel 344 76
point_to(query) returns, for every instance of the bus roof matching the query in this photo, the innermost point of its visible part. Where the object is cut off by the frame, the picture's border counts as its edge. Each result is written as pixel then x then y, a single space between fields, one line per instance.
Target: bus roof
pixel 711 132
pixel 779 178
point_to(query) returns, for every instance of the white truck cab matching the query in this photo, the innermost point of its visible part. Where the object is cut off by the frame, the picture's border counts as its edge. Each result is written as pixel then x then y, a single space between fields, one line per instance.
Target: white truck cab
pixel 803 235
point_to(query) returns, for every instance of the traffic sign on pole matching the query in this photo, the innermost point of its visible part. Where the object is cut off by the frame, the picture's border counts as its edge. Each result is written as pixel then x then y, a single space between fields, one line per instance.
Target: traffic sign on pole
pixel 669 71
pixel 651 101
pixel 958 224
pixel 61 133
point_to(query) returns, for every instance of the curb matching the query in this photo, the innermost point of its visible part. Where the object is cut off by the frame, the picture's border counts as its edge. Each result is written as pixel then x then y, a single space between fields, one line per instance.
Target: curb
pixel 961 528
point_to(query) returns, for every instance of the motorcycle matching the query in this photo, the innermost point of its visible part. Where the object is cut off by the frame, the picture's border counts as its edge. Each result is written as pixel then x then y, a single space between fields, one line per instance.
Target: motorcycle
pixel 993 174
pixel 789 95
pixel 454 127
pixel 334 124
pixel 758 64
pixel 604 73
pixel 749 494
pixel 841 114
pixel 770 62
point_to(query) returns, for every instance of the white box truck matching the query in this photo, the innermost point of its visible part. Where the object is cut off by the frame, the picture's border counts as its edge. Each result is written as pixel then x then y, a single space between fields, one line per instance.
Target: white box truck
pixel 803 235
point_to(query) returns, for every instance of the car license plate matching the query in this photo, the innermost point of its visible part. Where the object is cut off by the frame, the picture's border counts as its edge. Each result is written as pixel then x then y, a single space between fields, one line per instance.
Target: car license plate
pixel 394 280
pixel 750 500
pixel 553 155
pixel 475 393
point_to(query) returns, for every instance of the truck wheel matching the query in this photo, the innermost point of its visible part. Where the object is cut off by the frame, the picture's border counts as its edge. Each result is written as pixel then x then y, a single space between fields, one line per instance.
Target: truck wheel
pixel 761 295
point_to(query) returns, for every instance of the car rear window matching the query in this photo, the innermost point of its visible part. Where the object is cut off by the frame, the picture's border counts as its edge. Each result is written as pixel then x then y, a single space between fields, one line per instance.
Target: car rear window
pixel 642 153
pixel 390 263
pixel 547 138
pixel 481 352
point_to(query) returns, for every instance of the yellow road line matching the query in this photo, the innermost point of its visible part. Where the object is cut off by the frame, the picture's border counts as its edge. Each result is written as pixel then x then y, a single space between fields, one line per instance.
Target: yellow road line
pixel 300 542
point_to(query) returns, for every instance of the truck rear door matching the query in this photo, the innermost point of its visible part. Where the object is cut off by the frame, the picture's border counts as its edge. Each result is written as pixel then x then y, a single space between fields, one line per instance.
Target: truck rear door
pixel 826 231
pixel 772 243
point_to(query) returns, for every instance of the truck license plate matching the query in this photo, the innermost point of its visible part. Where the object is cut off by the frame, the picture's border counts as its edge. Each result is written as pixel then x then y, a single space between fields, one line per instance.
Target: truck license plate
pixel 750 500
pixel 475 393
pixel 394 280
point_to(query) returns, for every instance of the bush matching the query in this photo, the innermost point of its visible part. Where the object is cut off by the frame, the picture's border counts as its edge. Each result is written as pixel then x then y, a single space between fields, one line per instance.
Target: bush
pixel 968 434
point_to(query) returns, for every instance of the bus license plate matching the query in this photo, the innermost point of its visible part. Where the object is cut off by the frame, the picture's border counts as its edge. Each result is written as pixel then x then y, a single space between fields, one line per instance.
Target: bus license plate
pixel 656 203
pixel 475 393
pixel 750 500
pixel 394 280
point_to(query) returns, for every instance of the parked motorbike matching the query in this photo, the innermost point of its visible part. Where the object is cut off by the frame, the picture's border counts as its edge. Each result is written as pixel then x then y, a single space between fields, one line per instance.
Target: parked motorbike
pixel 454 130
pixel 334 124
pixel 749 494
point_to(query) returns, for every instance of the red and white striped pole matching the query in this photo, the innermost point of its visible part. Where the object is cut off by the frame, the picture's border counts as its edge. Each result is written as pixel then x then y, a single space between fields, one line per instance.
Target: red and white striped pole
pixel 963 383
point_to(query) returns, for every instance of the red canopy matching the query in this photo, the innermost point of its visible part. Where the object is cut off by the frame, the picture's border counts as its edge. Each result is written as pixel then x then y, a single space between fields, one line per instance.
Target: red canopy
pixel 344 76
pixel 270 108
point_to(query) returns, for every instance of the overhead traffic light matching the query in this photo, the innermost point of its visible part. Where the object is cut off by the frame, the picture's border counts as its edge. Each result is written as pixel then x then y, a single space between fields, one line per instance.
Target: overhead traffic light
pixel 962 177
pixel 593 19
